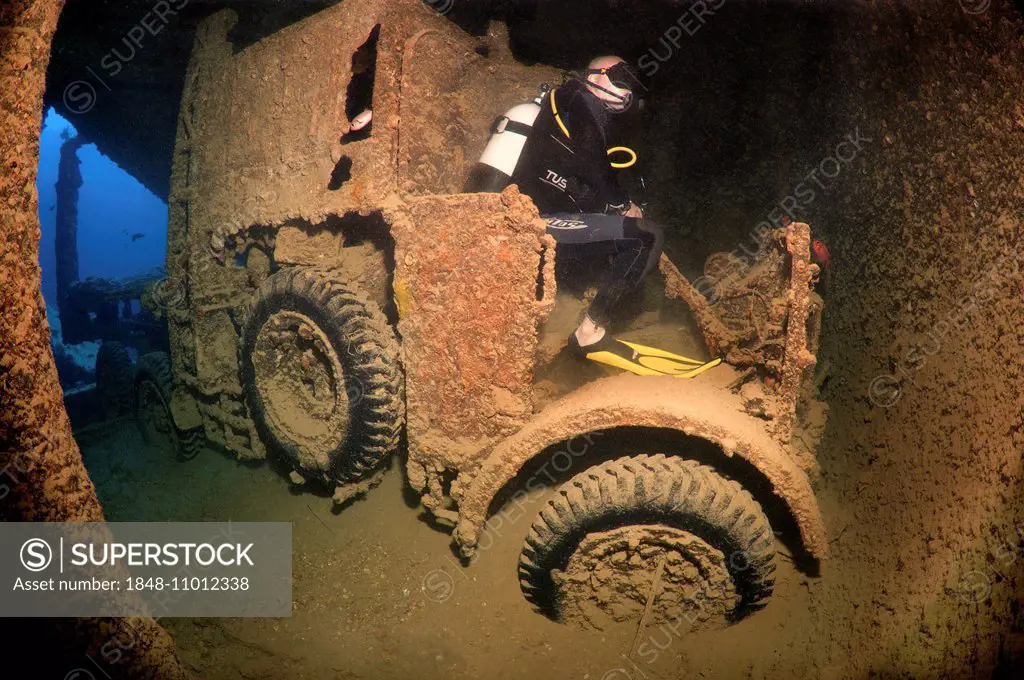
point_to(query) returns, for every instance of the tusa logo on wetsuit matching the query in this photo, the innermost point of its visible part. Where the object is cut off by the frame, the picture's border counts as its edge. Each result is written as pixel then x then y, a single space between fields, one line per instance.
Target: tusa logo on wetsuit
pixel 558 223
pixel 556 180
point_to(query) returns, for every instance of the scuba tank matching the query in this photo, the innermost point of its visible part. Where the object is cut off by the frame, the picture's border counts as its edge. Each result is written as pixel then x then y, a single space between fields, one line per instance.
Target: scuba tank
pixel 493 172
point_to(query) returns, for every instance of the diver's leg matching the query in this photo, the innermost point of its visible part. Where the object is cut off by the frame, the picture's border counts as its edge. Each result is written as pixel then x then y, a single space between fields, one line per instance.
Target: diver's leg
pixel 579 233
pixel 657 245
pixel 636 254
pixel 636 247
pixel 583 228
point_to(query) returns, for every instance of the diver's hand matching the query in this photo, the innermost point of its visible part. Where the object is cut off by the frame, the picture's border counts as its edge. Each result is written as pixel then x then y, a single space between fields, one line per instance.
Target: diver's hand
pixel 634 211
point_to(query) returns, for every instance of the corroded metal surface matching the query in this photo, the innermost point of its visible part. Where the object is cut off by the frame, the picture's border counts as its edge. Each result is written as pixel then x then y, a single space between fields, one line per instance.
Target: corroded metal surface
pixel 760 315
pixel 42 477
pixel 466 286
pixel 450 95
pixel 260 173
pixel 798 357
pixel 714 332
pixel 258 141
pixel 609 578
pixel 701 409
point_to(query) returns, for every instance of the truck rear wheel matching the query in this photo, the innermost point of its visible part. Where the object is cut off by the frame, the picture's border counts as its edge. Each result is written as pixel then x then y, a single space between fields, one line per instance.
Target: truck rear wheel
pixel 153 412
pixel 114 379
pixel 600 543
pixel 321 375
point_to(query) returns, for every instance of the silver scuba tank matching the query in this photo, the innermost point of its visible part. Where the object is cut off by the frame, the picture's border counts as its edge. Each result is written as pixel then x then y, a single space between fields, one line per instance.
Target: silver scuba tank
pixel 493 172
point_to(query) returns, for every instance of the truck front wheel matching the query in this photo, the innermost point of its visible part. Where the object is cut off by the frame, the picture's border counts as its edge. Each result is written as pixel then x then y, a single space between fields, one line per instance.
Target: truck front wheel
pixel 649 533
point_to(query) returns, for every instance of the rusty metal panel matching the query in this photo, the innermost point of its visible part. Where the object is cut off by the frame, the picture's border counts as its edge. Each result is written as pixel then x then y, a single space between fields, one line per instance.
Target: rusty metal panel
pixel 450 95
pixel 466 286
pixel 266 121
pixel 434 136
pixel 217 358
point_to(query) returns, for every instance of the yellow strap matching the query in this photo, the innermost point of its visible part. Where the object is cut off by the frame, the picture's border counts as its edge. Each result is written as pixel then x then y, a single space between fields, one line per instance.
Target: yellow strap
pixel 615 149
pixel 554 110
pixel 628 164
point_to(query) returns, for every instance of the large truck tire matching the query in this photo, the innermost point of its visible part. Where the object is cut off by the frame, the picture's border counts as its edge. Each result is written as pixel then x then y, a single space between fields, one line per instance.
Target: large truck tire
pixel 607 534
pixel 114 380
pixel 322 378
pixel 153 384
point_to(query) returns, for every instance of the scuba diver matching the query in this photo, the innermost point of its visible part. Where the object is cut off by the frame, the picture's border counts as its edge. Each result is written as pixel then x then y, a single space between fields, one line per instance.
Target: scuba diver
pixel 556 150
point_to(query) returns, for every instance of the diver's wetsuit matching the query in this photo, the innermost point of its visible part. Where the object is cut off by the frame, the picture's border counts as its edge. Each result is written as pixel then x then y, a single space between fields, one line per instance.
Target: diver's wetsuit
pixel 572 182
pixel 635 246
pixel 570 174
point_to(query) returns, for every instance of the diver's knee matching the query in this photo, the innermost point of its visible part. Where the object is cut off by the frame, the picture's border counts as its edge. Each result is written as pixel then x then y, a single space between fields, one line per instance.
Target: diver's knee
pixel 653 235
pixel 654 228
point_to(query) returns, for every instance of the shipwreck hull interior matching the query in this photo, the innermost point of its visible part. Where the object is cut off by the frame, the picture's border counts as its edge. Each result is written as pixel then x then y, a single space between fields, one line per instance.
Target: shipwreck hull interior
pixel 895 129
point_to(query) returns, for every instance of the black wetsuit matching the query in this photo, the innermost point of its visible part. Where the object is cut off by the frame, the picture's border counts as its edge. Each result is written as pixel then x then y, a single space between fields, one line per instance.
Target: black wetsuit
pixel 572 182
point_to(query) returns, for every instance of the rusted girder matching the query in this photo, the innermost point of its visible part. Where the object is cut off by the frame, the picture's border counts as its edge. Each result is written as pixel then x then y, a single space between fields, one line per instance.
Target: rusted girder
pixel 797 359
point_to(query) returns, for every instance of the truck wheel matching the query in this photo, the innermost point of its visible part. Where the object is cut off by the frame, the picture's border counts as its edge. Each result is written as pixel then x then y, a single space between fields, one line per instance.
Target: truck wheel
pixel 153 412
pixel 321 375
pixel 595 549
pixel 114 379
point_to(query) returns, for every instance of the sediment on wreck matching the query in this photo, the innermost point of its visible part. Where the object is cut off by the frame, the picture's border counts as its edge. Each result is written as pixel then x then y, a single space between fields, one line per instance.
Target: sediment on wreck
pixel 42 478
pixel 922 334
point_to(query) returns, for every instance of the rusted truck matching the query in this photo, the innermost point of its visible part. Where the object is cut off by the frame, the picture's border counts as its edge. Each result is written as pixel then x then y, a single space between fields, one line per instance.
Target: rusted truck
pixel 334 301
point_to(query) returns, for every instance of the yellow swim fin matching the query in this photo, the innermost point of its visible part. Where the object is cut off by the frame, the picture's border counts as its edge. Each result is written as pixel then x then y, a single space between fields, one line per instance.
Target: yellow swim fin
pixel 655 352
pixel 642 360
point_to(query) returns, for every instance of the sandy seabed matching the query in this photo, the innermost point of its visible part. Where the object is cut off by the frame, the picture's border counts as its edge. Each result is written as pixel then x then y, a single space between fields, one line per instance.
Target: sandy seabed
pixel 379 594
